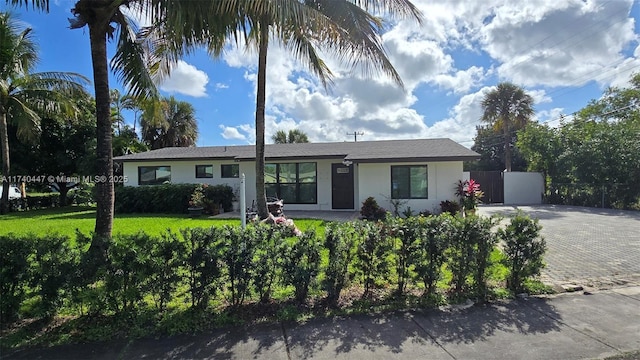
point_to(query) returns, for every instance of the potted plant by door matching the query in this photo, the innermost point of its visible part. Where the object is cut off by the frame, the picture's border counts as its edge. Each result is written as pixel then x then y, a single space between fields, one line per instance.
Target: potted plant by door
pixel 196 202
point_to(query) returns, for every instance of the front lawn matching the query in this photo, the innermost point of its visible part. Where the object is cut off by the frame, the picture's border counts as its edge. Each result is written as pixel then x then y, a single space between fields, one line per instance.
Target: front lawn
pixel 65 221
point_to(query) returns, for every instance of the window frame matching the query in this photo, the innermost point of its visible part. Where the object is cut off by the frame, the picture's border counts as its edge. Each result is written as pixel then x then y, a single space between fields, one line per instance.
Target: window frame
pixel 408 182
pixel 140 183
pixel 222 172
pixel 204 177
pixel 298 184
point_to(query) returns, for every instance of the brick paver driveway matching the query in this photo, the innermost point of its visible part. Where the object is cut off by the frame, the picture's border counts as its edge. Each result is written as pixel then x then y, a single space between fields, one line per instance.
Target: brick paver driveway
pixel 586 246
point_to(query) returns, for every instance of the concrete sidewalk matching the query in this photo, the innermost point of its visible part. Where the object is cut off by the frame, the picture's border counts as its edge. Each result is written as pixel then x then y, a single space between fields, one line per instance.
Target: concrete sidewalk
pixel 567 326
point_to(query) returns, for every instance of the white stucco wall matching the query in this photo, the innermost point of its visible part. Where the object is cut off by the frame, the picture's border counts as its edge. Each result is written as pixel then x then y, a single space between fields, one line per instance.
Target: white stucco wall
pixel 523 188
pixel 184 172
pixel 375 180
pixel 370 180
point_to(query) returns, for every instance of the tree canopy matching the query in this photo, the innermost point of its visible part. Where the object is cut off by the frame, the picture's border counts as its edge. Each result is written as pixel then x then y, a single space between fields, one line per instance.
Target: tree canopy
pixel 293 136
pixel 507 109
pixel 595 157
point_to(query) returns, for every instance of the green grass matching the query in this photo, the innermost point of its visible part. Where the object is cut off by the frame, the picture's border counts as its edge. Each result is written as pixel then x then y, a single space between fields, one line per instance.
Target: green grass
pixel 67 220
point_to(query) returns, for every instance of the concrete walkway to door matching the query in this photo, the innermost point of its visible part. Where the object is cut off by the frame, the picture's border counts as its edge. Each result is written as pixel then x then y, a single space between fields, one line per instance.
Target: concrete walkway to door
pixel 589 247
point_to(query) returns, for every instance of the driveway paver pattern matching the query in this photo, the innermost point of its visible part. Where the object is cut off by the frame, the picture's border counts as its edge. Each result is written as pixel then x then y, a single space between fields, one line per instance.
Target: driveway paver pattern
pixel 585 246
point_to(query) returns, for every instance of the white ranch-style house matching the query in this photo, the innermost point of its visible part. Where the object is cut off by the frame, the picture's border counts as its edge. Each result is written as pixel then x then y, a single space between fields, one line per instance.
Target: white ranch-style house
pixel 316 176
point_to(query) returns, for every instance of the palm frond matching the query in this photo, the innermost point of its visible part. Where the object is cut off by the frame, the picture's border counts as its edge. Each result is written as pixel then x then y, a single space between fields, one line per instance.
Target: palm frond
pixel 393 8
pixel 35 4
pixel 130 62
pixel 27 120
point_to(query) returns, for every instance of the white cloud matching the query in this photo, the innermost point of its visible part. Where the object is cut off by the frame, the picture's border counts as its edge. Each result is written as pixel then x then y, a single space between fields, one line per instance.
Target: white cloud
pixel 231 133
pixel 221 86
pixel 540 44
pixel 186 79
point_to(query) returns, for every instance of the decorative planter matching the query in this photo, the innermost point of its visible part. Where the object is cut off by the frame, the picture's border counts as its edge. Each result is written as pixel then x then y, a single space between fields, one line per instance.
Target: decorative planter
pixel 195 211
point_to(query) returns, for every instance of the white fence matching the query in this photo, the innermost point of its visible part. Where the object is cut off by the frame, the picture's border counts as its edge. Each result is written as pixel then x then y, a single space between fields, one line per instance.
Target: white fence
pixel 520 188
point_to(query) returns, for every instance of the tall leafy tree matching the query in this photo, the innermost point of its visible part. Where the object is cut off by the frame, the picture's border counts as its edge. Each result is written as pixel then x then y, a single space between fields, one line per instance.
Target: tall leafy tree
pixel 489 143
pixel 507 108
pixel 25 96
pixel 173 126
pixel 294 136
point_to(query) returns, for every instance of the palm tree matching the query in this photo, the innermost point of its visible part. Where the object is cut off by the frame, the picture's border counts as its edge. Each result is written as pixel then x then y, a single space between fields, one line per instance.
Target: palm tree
pixel 24 95
pixel 294 136
pixel 351 33
pixel 118 104
pixel 129 63
pixel 507 108
pixel 174 126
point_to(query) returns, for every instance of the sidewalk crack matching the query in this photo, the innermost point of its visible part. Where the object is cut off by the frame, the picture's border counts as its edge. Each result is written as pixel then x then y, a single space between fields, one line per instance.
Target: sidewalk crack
pixel 431 337
pixel 286 340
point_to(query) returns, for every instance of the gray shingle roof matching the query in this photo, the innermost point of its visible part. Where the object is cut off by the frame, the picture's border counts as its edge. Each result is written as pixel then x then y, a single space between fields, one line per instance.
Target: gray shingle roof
pixel 363 151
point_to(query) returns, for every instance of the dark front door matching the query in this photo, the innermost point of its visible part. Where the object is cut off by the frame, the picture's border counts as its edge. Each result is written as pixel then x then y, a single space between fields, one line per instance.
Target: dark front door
pixel 342 186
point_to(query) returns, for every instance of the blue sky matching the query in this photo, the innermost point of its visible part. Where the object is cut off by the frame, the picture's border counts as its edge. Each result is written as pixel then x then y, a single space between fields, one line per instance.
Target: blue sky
pixel 564 53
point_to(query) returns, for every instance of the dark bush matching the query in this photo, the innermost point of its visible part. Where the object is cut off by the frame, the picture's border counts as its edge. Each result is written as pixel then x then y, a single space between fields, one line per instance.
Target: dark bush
pixel 168 199
pixel 14 273
pixel 53 267
pixel 370 210
pixel 450 207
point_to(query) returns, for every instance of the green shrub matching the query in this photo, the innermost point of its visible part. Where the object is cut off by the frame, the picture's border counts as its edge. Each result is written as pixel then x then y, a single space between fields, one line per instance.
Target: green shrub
pixel 524 249
pixel 168 257
pixel 14 273
pixel 372 256
pixel 238 255
pixel 340 241
pixel 129 269
pixel 168 198
pixel 301 262
pixel 484 241
pixel 53 267
pixel 460 252
pixel 427 255
pixel 267 258
pixel 205 251
pixel 404 233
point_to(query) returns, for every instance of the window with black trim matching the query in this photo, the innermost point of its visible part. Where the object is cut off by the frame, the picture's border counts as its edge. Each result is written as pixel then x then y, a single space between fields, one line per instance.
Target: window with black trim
pixel 154 175
pixel 409 182
pixel 230 171
pixel 204 171
pixel 295 183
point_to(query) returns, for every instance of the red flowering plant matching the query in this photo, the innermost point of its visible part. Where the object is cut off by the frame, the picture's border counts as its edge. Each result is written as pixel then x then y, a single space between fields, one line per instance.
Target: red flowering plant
pixel 469 193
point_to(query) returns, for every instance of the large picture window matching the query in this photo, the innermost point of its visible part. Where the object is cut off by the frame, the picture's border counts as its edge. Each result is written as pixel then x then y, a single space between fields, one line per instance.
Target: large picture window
pixel 154 175
pixel 230 171
pixel 409 182
pixel 295 183
pixel 204 171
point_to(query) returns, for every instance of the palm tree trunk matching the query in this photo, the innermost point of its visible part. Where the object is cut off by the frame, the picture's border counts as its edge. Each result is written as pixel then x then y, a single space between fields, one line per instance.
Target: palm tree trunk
pixel 261 199
pixel 104 158
pixel 4 143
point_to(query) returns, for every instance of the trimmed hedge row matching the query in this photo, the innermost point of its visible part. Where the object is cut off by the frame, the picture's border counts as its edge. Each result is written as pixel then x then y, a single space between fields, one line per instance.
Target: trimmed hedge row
pixel 229 265
pixel 169 198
